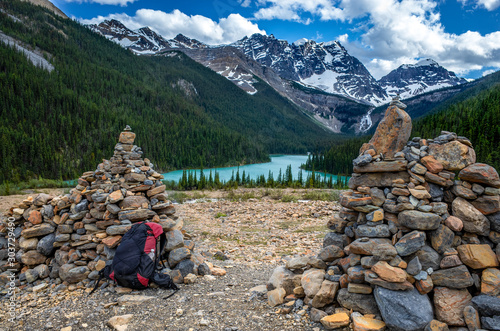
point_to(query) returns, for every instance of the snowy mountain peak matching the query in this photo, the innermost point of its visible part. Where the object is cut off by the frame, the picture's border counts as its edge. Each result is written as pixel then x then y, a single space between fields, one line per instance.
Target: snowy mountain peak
pixel 412 79
pixel 301 42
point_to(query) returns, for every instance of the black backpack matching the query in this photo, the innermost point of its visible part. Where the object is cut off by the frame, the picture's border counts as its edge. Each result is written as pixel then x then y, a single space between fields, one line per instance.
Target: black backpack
pixel 134 265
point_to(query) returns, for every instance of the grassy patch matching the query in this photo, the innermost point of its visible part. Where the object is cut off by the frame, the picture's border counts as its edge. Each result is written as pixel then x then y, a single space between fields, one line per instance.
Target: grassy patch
pixel 198 195
pixel 313 228
pixel 219 214
pixel 332 195
pixel 233 196
pixel 8 188
pixel 289 198
pixel 288 224
pixel 179 197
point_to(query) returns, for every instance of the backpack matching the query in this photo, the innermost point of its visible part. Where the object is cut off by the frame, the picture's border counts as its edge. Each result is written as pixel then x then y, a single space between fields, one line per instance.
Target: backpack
pixel 137 257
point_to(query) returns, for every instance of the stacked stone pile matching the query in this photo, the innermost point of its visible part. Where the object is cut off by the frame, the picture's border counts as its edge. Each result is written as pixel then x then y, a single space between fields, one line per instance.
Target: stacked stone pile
pixel 69 238
pixel 413 247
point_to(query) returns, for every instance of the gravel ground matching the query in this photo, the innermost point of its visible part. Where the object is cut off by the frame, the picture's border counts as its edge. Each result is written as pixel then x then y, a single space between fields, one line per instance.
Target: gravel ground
pixel 257 234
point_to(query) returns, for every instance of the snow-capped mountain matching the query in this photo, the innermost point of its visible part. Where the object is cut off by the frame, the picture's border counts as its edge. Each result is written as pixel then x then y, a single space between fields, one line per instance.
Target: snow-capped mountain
pixel 326 66
pixel 426 75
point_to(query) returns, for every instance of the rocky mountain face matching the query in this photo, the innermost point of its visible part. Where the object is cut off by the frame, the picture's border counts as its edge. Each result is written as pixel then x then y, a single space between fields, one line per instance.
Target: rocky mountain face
pixel 426 75
pixel 322 78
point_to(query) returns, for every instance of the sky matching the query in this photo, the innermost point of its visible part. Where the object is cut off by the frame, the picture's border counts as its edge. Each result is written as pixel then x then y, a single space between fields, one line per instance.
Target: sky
pixel 461 35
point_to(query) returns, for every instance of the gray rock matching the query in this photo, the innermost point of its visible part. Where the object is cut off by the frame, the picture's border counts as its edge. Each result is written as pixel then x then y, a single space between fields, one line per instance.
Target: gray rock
pixel 362 160
pixel 491 323
pixel 404 310
pixel 494 221
pixel 487 305
pixel 314 262
pixel 177 255
pixel 43 271
pixel 363 303
pixel 47 211
pixel 410 243
pixel 414 266
pixel 73 274
pixel 46 244
pixel 204 269
pixel 378 231
pixel 333 238
pixel 82 206
pixel 378 196
pixel 311 281
pixel 474 221
pixel 185 267
pixel 417 220
pixel 31 275
pixel 113 208
pixel 330 253
pixel 117 230
pixel 316 314
pixel 456 277
pixel 297 263
pixel 175 240
pixel 428 258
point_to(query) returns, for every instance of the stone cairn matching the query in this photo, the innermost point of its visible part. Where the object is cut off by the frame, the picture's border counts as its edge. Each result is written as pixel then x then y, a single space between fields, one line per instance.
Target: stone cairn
pixel 69 238
pixel 412 248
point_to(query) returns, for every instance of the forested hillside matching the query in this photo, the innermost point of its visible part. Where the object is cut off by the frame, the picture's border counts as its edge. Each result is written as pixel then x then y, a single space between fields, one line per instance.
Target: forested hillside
pixel 60 123
pixel 476 116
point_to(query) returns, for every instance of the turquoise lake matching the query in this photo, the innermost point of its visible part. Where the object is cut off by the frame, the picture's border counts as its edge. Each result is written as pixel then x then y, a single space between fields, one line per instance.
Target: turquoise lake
pixel 255 170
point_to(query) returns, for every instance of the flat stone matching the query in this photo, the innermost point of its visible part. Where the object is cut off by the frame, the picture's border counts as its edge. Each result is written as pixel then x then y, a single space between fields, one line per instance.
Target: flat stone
pixel 45 245
pixel 367 247
pixel 131 300
pixel 382 166
pixel 333 238
pixel 373 279
pixel 410 243
pixel 316 314
pixel 117 230
pixel 389 273
pixel 432 164
pixel 477 256
pixel 363 303
pixel 404 310
pixel 436 179
pixel 335 321
pixel 359 288
pixel 175 240
pixel 453 155
pixel 480 173
pixel 365 323
pixel 450 261
pixel 377 195
pixel 28 244
pixel 112 242
pixel 378 231
pixel 136 215
pixel 73 274
pixel 436 325
pixel 297 263
pixel 420 194
pixel 133 177
pixel 115 197
pixel 457 277
pixel 450 304
pixel 473 220
pixel 38 230
pixel 378 179
pixel 417 220
pixel 487 204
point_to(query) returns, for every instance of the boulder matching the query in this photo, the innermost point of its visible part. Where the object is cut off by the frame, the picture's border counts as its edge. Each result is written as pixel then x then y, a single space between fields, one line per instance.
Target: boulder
pixel 480 173
pixel 487 204
pixel 490 282
pixel 453 155
pixel 335 321
pixel 392 133
pixel 46 244
pixel 404 310
pixel 457 277
pixel 410 243
pixel 330 253
pixel 73 274
pixel 389 273
pixel 311 281
pixel 417 220
pixel 175 239
pixel 326 294
pixel 276 297
pixel 442 238
pixel 377 179
pixel 37 230
pixel 32 258
pixel 486 305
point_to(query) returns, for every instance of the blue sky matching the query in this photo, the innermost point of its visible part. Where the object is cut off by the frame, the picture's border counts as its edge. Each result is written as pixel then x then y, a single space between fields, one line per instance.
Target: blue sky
pixel 461 35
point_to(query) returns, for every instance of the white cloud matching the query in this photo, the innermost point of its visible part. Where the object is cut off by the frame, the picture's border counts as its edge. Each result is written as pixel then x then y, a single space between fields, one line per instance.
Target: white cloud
pixel 488 4
pixel 487 72
pixel 394 32
pixel 227 30
pixel 122 3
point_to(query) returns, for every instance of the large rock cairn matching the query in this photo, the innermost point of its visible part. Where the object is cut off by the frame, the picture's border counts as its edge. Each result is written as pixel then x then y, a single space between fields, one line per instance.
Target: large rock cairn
pixel 69 238
pixel 412 248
